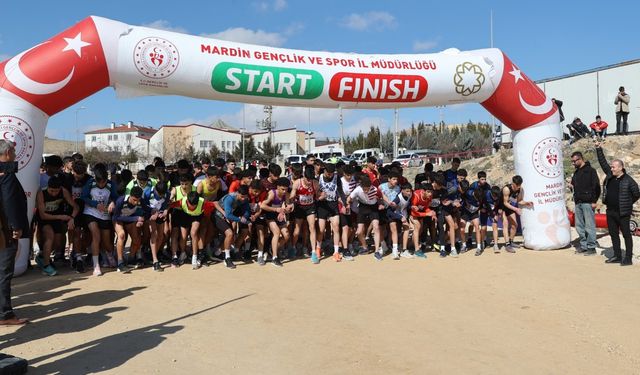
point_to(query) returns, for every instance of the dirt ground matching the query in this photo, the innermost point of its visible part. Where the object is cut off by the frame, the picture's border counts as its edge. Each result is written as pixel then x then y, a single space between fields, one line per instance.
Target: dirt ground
pixel 527 313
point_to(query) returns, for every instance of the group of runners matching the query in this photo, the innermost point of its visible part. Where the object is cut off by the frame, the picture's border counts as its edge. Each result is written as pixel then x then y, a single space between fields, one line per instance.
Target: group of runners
pixel 209 213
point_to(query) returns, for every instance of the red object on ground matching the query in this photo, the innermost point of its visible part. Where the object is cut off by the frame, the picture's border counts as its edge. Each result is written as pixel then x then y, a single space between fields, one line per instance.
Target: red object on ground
pixel 601 220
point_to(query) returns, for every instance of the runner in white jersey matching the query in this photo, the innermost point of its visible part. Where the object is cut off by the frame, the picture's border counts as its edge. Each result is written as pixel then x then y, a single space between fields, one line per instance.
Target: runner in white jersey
pixel 328 209
pixel 99 197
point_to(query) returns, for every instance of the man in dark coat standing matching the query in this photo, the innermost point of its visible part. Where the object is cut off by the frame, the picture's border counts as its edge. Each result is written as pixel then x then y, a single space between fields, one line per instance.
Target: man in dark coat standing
pixel 620 192
pixel 586 191
pixel 13 226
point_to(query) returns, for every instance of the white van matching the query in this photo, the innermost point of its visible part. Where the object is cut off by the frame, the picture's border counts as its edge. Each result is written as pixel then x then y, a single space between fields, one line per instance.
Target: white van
pixel 360 156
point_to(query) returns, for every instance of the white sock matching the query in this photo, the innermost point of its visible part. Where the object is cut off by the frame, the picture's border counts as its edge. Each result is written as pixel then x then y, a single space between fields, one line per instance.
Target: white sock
pixel 259 254
pixel 96 260
pixel 380 250
pixel 318 245
pixel 336 249
pixel 395 248
pixel 194 258
pixel 227 254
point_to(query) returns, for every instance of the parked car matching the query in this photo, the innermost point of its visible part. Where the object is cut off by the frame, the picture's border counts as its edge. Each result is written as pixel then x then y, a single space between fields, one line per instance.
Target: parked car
pixel 294 159
pixel 409 160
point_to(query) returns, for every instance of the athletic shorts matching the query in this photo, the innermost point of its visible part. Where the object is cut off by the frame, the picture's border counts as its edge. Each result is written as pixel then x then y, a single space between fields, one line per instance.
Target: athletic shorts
pixel 327 209
pixel 58 226
pixel 301 212
pixel 260 221
pixel 102 224
pixel 367 213
pixel 383 217
pixel 222 224
pixel 176 217
pixel 469 216
pixel 80 221
pixel 450 211
pixel 186 220
pixel 348 220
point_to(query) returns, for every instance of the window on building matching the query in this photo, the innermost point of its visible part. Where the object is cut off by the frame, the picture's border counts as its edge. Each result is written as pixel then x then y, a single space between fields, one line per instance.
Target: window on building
pixel 93 138
pixel 233 145
pixel 285 146
pixel 228 145
pixel 115 137
pixel 128 137
pixel 109 138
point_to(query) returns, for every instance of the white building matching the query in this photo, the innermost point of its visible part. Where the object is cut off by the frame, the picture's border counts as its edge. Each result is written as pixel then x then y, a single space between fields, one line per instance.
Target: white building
pixel 592 92
pixel 122 138
pixel 291 141
pixel 170 141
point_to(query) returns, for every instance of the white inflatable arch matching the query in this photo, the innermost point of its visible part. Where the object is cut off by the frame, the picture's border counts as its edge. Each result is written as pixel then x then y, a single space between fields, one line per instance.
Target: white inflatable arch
pixel 98 52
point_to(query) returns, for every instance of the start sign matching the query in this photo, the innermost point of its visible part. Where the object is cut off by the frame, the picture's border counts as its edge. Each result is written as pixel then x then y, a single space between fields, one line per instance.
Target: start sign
pixel 261 80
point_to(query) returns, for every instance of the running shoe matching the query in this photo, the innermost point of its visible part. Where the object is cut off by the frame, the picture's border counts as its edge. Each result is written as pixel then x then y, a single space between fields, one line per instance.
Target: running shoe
pixel 157 267
pixel 496 249
pixel 291 252
pixel 276 262
pixel 203 259
pixel 510 249
pixel 515 245
pixel 478 252
pixel 79 266
pixel 229 263
pixel 39 261
pixel 421 254
pixel 463 248
pixel 337 256
pixel 362 250
pixel 454 252
pixel 139 264
pixel 396 256
pixel 49 270
pixel 305 252
pixel 347 255
pixel 261 261
pixel 97 271
pixel 123 268
pixel 384 246
pixel 195 264
pixel 377 255
pixel 314 258
pixel 406 254
pixel 246 256
pixel 183 257
pixel 175 262
pixel 469 243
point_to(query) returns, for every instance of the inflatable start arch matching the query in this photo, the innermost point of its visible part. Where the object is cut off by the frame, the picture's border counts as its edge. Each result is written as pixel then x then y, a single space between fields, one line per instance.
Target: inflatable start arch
pixel 98 52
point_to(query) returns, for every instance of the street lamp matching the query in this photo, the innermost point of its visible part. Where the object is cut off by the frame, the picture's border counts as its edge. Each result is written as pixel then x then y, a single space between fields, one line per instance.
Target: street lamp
pixel 242 130
pixel 77 129
pixel 309 133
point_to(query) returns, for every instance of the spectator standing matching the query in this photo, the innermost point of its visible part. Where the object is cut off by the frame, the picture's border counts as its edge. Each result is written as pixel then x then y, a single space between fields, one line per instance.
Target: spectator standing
pixel 599 128
pixel 586 190
pixel 620 192
pixel 622 111
pixel 13 226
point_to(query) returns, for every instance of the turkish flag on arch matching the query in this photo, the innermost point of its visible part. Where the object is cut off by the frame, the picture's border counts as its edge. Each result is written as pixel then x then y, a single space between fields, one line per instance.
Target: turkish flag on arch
pixel 518 102
pixel 59 72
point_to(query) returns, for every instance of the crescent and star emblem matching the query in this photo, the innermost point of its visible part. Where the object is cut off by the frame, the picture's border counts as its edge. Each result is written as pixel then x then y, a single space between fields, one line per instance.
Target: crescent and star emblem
pixel 534 109
pixel 16 76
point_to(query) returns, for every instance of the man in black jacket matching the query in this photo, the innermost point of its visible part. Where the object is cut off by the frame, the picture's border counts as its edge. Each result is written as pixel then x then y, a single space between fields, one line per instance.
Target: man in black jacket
pixel 620 192
pixel 586 190
pixel 13 226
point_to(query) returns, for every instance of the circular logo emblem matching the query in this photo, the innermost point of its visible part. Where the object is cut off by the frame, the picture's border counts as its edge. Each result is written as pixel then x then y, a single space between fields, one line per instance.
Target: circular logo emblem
pixel 156 57
pixel 468 78
pixel 547 157
pixel 18 131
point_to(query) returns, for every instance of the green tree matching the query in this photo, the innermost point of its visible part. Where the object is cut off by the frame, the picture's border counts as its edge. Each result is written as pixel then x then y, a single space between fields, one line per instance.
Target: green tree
pixel 214 153
pixel 130 157
pixel 251 152
pixel 269 150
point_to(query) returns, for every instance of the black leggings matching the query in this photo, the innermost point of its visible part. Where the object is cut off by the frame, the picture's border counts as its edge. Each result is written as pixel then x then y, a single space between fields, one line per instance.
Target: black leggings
pixel 617 223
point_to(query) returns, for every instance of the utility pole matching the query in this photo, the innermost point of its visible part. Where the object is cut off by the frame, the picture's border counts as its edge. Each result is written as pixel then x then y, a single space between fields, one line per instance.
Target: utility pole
pixel 341 129
pixel 78 129
pixel 395 135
